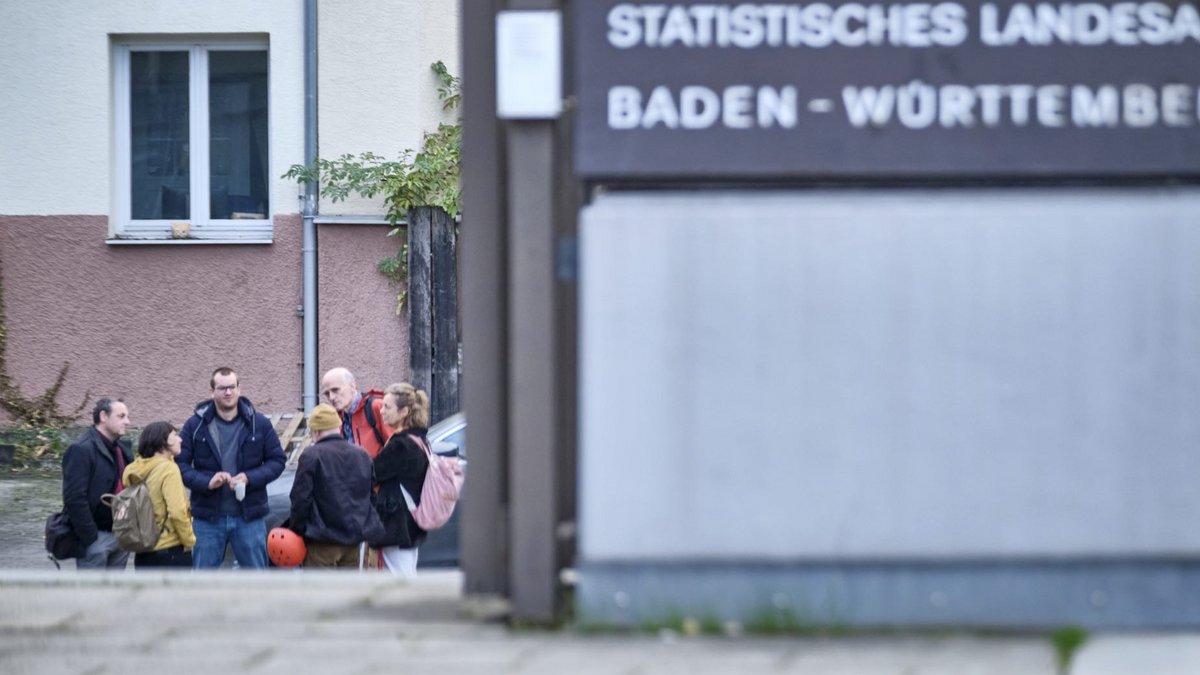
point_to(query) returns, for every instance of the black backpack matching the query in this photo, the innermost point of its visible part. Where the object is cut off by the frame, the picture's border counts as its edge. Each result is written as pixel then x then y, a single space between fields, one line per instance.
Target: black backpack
pixel 61 542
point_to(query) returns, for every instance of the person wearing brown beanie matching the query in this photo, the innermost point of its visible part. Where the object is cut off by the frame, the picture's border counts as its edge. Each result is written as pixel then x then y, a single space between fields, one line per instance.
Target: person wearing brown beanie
pixel 331 496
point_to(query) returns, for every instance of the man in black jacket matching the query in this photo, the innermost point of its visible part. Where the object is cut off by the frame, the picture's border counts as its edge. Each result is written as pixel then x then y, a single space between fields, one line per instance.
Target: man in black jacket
pixel 91 467
pixel 331 496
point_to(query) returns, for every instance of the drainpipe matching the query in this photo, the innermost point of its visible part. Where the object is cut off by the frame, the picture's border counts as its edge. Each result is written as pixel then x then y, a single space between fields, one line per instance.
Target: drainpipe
pixel 311 192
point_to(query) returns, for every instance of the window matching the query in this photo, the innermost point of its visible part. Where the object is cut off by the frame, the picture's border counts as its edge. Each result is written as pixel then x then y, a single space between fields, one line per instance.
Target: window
pixel 192 142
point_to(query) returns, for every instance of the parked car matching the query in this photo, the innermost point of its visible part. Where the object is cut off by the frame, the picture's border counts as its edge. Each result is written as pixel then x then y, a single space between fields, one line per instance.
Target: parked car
pixel 448 438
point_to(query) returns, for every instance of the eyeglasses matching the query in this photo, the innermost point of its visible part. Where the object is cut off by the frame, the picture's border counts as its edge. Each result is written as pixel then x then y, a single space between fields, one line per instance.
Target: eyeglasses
pixel 229 388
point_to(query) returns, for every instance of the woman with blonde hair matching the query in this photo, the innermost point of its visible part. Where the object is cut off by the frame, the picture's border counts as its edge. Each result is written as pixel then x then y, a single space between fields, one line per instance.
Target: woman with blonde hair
pixel 158 446
pixel 403 461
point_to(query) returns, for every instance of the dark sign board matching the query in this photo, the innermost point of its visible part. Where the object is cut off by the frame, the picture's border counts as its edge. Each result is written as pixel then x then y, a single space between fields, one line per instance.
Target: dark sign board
pixel 709 90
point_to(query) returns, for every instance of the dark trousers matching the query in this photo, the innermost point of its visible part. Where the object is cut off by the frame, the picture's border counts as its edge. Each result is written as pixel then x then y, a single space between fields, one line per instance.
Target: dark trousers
pixel 168 557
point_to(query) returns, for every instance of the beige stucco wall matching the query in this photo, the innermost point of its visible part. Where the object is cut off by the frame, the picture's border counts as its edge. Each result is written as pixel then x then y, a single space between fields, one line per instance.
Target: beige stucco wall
pixel 390 111
pixel 56 125
pixel 376 91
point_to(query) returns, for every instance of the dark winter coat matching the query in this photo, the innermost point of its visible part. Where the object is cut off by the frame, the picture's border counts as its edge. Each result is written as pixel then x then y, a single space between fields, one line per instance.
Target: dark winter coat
pixel 401 461
pixel 332 494
pixel 89 471
pixel 260 457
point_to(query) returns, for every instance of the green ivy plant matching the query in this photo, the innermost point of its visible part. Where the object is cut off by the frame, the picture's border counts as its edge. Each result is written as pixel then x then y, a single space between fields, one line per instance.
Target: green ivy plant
pixel 428 177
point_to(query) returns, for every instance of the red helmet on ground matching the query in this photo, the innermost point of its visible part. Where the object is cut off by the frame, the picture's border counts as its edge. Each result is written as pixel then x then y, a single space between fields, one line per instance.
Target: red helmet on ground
pixel 285 548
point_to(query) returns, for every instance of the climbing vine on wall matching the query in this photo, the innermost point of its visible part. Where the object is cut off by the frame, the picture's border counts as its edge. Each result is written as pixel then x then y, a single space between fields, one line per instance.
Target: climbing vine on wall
pixel 41 411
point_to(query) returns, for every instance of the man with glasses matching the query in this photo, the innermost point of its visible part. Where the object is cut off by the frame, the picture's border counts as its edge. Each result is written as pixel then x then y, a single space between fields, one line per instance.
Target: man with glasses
pixel 362 423
pixel 230 453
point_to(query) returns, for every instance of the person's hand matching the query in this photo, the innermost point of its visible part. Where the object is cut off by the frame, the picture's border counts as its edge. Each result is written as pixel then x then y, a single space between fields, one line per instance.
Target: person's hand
pixel 219 478
pixel 240 478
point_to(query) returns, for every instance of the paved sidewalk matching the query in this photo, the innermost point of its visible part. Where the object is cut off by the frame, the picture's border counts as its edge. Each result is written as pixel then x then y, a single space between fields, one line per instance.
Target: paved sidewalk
pixel 1152 654
pixel 330 622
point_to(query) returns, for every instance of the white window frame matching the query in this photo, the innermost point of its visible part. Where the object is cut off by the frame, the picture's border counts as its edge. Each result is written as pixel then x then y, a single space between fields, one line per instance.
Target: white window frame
pixel 201 227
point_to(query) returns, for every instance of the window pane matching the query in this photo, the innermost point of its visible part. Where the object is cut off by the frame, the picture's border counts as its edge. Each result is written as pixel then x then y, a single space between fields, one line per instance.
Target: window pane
pixel 158 110
pixel 237 104
pixel 459 440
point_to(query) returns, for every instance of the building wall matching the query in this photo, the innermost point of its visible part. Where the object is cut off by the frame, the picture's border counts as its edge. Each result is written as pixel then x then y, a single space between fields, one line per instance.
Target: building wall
pixel 384 114
pixel 391 110
pixel 360 329
pixel 150 322
pixel 57 125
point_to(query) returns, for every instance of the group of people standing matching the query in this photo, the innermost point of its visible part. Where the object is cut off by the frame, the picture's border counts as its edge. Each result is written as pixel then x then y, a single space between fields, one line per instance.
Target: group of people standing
pixel 343 496
pixel 366 447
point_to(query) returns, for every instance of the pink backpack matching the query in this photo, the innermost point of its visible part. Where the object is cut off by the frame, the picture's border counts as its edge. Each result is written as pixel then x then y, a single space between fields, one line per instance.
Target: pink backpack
pixel 439 494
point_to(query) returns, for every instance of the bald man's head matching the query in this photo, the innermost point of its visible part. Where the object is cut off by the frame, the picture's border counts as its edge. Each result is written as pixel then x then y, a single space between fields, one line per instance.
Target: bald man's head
pixel 338 388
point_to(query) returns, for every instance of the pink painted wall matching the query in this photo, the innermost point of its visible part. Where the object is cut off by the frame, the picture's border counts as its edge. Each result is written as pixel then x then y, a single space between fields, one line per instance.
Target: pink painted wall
pixel 359 327
pixel 149 323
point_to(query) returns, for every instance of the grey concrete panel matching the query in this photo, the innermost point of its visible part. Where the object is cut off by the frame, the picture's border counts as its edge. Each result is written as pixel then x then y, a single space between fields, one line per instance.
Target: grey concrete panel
pixel 821 596
pixel 914 374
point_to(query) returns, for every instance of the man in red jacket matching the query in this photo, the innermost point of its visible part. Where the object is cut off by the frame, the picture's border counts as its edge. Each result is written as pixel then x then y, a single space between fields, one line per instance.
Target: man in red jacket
pixel 362 421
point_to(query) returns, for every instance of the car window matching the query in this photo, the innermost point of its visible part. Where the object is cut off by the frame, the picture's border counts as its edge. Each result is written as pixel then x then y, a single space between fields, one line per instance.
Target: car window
pixel 458 439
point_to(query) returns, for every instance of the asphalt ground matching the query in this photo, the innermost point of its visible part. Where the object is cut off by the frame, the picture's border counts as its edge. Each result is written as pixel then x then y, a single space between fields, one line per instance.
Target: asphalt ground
pixel 347 622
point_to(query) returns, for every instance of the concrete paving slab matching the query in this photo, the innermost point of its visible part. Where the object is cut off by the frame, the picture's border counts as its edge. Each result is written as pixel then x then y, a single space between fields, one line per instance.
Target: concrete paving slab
pixel 267 623
pixel 929 656
pixel 1138 654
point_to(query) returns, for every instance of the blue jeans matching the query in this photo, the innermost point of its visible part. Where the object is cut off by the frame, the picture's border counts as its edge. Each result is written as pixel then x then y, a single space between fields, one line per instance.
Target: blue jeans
pixel 248 537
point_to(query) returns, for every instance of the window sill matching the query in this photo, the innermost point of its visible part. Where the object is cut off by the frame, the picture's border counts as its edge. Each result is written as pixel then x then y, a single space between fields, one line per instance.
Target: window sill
pixel 355 220
pixel 184 242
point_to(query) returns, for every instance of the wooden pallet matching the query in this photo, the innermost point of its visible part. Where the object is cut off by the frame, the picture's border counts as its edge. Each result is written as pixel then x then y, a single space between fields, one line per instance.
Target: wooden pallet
pixel 292 430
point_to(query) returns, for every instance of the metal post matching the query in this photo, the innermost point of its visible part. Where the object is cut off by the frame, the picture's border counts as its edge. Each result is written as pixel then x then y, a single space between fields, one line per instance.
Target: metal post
pixel 311 192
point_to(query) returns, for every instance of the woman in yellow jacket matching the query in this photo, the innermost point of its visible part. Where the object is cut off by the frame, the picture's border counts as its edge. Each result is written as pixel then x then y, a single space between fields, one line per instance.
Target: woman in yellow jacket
pixel 155 466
